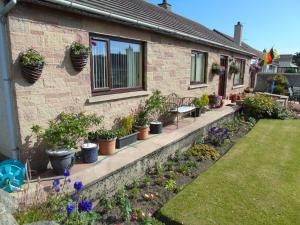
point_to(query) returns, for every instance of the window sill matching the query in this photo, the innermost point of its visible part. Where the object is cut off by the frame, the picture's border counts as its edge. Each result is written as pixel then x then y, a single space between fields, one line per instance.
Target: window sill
pixel 195 86
pixel 115 97
pixel 238 87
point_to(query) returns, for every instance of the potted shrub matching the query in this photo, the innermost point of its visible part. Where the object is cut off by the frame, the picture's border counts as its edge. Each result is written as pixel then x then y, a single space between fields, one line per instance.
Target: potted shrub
pixel 216 69
pixel 215 101
pixel 106 140
pixel 79 54
pixel 233 98
pixel 204 102
pixel 198 104
pixel 32 64
pixel 142 125
pixel 156 107
pixel 63 135
pixel 233 69
pixel 126 134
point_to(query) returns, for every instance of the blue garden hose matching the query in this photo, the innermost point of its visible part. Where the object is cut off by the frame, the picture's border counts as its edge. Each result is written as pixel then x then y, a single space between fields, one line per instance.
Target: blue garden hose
pixel 12 175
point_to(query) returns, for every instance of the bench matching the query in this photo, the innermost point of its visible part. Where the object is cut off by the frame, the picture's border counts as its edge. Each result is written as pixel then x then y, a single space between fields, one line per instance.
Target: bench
pixel 180 106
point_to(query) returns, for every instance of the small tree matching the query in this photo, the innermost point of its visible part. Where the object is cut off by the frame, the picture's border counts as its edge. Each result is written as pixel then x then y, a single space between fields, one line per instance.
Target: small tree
pixel 296 59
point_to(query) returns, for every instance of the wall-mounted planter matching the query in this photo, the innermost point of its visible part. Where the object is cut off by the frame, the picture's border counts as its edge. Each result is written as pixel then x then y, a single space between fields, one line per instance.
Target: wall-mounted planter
pixel 78 61
pixel 127 140
pixel 32 73
pixel 32 64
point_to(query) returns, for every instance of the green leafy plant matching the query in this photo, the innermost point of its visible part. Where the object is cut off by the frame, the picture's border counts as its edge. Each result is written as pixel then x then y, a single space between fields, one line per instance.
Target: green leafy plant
pixel 171 185
pixel 171 175
pixel 78 48
pixel 141 118
pixel 103 135
pixel 135 192
pixel 32 58
pixel 280 112
pixel 125 205
pixel 258 106
pixel 233 68
pixel 156 105
pixel 160 168
pixel 126 124
pixel 197 102
pixel 204 152
pixel 109 203
pixel 216 68
pixel 281 84
pixel 147 181
pixel 66 130
pixel 204 100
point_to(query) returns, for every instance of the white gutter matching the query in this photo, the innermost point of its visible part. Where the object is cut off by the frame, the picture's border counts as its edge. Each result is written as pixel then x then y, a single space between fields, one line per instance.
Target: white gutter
pixel 9 120
pixel 71 4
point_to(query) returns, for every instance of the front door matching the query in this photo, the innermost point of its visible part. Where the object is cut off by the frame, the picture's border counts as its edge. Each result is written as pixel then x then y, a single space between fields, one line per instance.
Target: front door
pixel 223 76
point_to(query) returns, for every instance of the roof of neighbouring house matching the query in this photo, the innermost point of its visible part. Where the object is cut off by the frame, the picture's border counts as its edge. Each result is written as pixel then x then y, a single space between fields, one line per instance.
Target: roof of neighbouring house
pixel 247 47
pixel 143 12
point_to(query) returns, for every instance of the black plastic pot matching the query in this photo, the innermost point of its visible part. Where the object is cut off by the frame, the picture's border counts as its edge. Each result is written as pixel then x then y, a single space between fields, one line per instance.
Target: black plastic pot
pixel 61 160
pixel 156 127
pixel 127 140
pixel 196 113
pixel 89 152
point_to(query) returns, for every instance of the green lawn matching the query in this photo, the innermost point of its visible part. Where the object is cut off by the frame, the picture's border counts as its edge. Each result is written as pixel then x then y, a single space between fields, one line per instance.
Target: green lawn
pixel 257 182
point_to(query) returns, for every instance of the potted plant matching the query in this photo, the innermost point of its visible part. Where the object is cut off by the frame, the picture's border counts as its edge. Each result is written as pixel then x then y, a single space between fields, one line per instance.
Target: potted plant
pixel 198 104
pixel 233 69
pixel 32 64
pixel 204 102
pixel 79 54
pixel 156 107
pixel 106 140
pixel 233 98
pixel 216 69
pixel 142 125
pixel 63 135
pixel 126 134
pixel 215 101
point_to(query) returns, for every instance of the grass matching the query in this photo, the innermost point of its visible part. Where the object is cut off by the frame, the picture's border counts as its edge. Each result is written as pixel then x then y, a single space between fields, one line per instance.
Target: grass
pixel 257 182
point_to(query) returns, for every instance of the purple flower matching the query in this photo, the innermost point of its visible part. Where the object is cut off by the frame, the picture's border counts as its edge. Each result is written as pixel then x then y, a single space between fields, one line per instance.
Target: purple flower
pixel 85 206
pixel 75 197
pixel 57 190
pixel 56 182
pixel 66 173
pixel 70 208
pixel 78 185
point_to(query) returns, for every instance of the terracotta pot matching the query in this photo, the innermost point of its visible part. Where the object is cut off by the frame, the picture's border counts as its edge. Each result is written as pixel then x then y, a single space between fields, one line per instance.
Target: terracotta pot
pixel 78 61
pixel 107 147
pixel 143 133
pixel 32 72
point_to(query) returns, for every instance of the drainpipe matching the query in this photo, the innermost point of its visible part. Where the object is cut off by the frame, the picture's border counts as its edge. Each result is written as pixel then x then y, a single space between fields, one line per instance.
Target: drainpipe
pixel 9 112
pixel 71 4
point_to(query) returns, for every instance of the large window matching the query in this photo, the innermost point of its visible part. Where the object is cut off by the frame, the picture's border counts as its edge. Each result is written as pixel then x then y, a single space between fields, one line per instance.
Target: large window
pixel 198 70
pixel 239 77
pixel 117 65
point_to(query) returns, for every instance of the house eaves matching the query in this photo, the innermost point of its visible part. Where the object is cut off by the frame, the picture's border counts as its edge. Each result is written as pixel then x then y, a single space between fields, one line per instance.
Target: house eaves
pixel 144 15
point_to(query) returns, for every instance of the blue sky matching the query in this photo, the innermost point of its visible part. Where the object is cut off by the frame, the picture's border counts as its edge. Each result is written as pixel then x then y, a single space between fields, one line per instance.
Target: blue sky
pixel 267 23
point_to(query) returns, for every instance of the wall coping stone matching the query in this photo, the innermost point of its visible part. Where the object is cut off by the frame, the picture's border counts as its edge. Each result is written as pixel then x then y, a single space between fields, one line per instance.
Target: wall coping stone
pixel 115 97
pixel 195 86
pixel 238 87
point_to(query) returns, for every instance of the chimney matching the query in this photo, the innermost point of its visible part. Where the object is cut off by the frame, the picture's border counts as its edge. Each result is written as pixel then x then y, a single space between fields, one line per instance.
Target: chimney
pixel 238 33
pixel 165 5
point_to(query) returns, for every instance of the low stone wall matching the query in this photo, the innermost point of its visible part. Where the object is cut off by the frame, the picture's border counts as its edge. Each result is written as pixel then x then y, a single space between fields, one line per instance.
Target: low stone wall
pixel 110 184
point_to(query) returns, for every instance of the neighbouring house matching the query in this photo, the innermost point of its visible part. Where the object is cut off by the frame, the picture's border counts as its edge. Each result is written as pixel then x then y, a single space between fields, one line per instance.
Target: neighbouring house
pixel 286 65
pixel 136 46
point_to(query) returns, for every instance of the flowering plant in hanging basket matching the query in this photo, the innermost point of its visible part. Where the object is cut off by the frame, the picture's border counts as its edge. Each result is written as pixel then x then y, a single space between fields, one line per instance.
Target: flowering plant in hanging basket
pixel 79 54
pixel 216 69
pixel 32 64
pixel 233 69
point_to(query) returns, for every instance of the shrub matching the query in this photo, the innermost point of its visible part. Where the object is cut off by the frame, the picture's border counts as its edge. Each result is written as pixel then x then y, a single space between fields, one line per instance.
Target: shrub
pixel 218 136
pixel 66 130
pixel 258 106
pixel 102 135
pixel 204 100
pixel 171 185
pixel 32 57
pixel 78 48
pixel 156 105
pixel 204 152
pixel 197 102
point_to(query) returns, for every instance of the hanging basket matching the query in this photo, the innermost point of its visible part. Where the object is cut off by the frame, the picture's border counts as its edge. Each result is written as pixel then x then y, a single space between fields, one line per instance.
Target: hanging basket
pixel 32 72
pixel 79 61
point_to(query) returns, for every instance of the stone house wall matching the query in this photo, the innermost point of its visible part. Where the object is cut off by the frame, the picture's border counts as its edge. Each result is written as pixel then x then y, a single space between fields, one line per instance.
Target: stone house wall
pixel 51 32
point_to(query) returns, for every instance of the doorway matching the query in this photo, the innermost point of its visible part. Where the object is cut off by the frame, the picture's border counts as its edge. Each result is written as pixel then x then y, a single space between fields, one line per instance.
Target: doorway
pixel 223 76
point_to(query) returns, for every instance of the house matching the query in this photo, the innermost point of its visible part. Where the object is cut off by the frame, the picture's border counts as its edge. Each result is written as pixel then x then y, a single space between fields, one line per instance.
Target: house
pixel 168 52
pixel 286 65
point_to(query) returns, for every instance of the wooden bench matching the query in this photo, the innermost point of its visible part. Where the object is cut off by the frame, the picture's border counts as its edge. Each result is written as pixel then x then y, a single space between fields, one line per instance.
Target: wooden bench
pixel 180 106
